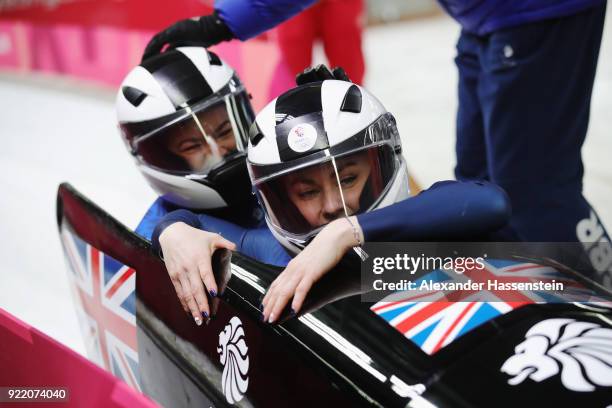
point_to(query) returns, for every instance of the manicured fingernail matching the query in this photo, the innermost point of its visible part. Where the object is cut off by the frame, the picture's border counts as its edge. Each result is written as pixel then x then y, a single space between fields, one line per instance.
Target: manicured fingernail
pixel 260 307
pixel 292 312
pixel 205 315
pixel 271 318
pixel 213 293
pixel 198 321
pixel 261 317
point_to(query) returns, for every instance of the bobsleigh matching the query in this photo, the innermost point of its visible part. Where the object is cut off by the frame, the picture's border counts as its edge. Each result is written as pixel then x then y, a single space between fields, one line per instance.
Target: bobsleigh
pixel 339 352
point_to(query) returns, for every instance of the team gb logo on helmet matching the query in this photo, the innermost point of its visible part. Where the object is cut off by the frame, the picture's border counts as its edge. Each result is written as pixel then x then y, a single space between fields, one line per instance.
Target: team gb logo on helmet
pixel 302 137
pixel 233 355
pixel 582 351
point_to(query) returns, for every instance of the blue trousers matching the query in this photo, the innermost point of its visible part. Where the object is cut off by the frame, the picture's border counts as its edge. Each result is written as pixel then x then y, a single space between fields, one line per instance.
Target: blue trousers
pixel 524 102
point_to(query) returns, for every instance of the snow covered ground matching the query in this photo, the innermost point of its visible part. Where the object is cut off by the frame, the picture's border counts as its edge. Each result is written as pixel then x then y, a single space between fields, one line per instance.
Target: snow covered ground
pixel 52 132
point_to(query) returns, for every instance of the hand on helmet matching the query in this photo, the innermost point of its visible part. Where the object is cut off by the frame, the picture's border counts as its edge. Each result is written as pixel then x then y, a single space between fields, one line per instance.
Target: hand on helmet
pixel 320 73
pixel 203 31
pixel 187 254
pixel 319 257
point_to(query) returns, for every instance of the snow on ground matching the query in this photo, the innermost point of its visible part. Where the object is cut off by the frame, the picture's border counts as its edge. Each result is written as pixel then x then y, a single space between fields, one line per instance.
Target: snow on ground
pixel 49 136
pixel 53 131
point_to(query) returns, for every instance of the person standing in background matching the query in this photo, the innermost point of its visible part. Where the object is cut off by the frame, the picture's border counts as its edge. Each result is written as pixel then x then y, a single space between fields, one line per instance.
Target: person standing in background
pixel 338 24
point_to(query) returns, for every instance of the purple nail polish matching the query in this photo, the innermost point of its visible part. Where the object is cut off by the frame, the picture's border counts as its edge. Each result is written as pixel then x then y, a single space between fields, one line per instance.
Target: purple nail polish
pixel 213 293
pixel 205 315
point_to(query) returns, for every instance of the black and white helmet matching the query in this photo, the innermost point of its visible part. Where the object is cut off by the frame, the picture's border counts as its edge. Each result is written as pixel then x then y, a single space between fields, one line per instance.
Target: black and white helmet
pixel 321 151
pixel 184 116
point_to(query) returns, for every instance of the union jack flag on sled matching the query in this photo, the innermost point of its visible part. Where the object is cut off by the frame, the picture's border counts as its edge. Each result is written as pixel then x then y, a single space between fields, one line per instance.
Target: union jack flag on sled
pixel 432 322
pixel 106 290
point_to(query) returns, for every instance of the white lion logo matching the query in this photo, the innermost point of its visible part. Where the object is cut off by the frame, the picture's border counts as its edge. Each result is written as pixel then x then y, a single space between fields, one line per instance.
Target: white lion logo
pixel 582 351
pixel 232 351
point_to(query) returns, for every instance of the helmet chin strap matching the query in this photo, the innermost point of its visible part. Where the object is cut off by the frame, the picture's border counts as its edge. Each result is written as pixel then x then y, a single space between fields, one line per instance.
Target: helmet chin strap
pixel 211 142
pixel 358 250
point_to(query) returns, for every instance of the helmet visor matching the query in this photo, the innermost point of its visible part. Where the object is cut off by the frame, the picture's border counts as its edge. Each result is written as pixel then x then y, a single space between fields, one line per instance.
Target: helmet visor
pixel 199 140
pixel 303 200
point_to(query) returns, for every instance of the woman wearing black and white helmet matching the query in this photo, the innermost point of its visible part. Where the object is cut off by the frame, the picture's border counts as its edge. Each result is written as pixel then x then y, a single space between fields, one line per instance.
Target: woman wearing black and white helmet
pixel 319 155
pixel 184 116
pixel 325 160
pixel 323 151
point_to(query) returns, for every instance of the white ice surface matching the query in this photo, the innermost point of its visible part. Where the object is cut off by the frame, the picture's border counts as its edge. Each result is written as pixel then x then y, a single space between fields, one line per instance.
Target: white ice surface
pixel 50 134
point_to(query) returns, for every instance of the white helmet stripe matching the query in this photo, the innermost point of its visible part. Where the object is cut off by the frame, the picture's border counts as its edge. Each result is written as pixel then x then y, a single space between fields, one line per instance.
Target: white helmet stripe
pixel 217 76
pixel 338 124
pixel 156 103
pixel 267 149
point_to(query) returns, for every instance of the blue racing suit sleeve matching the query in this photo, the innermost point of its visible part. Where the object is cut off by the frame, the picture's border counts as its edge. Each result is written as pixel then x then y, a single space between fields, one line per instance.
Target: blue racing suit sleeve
pixel 258 243
pixel 448 210
pixel 248 18
pixel 154 214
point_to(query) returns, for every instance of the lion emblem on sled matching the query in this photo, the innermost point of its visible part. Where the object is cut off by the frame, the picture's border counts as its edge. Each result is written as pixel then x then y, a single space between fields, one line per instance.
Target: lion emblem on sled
pixel 580 351
pixel 233 354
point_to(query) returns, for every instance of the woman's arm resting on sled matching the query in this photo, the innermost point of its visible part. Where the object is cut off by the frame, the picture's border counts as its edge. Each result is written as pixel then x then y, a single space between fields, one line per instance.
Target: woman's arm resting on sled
pixel 187 249
pixel 447 210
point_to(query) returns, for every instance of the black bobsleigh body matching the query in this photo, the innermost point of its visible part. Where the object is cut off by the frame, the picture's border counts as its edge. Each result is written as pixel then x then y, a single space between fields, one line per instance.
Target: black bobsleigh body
pixel 340 352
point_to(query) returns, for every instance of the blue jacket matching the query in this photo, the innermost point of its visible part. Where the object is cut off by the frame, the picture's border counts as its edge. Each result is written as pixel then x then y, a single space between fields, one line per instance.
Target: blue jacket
pixel 153 216
pixel 248 18
pixel 448 210
pixel 257 243
pixel 486 16
pixel 248 218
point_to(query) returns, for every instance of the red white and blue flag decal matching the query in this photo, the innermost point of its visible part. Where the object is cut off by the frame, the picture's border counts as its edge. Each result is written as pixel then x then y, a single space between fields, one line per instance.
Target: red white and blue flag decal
pixel 105 290
pixel 432 324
